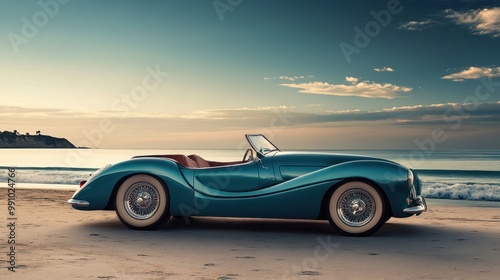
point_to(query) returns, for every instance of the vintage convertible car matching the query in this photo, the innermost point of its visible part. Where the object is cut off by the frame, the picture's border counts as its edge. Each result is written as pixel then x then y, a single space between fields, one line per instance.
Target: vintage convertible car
pixel 357 194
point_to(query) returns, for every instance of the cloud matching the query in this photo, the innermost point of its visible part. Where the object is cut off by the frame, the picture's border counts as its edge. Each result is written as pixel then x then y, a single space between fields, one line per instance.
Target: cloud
pixel 291 78
pixel 473 73
pixel 482 21
pixel 77 125
pixel 315 105
pixel 258 116
pixel 415 25
pixel 365 89
pixel 352 80
pixel 288 78
pixel 446 115
pixel 385 69
pixel 241 114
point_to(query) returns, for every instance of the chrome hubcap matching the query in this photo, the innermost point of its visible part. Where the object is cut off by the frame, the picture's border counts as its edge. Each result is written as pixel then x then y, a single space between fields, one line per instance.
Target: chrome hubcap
pixel 356 207
pixel 141 200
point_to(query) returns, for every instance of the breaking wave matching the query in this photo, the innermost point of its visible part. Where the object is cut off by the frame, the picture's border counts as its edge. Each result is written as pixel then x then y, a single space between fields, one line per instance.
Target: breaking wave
pixel 461 191
pixel 461 184
pixel 49 175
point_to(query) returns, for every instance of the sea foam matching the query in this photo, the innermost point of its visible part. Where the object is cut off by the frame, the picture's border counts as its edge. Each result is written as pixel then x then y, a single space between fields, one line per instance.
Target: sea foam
pixel 461 191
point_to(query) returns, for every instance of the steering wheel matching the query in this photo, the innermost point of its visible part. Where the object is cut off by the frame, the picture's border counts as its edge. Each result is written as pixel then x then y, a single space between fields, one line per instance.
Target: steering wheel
pixel 249 153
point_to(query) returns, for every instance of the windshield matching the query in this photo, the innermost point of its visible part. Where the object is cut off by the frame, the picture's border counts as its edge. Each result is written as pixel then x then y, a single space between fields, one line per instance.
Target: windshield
pixel 260 143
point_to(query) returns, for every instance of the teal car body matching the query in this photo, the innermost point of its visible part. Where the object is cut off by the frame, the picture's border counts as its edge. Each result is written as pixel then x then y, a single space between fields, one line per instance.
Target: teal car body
pixel 267 183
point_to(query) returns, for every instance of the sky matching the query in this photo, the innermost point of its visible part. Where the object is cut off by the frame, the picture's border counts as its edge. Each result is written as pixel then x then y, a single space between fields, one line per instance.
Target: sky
pixel 357 74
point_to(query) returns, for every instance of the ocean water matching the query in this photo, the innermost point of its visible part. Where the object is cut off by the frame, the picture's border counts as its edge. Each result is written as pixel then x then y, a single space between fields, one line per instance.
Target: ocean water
pixel 458 174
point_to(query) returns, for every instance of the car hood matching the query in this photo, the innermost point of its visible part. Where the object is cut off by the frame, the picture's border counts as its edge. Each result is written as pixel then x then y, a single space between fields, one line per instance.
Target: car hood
pixel 316 158
pixel 294 164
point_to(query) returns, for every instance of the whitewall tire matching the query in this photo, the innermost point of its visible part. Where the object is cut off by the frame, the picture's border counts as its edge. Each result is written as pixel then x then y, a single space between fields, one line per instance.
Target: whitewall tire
pixel 356 209
pixel 142 202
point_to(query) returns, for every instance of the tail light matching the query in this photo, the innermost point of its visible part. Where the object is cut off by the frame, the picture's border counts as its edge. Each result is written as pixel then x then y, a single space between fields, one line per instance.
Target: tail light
pixel 82 183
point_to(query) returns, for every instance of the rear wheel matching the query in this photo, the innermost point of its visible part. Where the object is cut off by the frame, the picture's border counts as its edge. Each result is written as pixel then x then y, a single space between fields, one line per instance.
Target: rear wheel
pixel 356 209
pixel 142 202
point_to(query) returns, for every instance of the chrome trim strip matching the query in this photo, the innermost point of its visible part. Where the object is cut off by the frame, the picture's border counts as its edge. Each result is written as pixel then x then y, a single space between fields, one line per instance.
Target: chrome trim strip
pixel 79 203
pixel 415 209
pixel 419 208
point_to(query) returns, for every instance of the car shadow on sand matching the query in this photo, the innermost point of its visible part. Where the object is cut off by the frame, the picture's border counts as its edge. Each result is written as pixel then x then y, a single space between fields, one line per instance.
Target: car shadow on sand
pixel 232 226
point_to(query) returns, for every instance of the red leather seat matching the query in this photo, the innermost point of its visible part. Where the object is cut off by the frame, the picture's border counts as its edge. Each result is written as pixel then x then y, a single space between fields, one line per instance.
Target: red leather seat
pixel 181 159
pixel 200 162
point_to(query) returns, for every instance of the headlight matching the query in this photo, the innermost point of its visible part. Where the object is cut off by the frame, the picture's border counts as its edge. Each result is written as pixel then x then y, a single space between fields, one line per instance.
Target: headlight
pixel 410 179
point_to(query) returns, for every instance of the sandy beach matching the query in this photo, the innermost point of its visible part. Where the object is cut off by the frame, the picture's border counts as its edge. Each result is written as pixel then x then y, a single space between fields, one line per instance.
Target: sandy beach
pixel 53 241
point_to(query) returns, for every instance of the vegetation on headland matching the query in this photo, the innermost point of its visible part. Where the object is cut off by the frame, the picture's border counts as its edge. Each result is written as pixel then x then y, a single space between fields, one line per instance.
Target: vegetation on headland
pixel 15 140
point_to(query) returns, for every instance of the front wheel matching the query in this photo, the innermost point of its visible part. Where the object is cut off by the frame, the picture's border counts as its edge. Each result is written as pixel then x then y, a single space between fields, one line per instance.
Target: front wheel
pixel 356 209
pixel 142 202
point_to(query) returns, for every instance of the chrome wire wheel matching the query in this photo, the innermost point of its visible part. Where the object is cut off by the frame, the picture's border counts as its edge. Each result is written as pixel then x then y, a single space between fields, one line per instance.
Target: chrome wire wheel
pixel 142 202
pixel 356 208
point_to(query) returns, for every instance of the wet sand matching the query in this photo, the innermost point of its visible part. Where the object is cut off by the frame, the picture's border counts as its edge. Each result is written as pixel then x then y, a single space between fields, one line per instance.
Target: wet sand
pixel 53 241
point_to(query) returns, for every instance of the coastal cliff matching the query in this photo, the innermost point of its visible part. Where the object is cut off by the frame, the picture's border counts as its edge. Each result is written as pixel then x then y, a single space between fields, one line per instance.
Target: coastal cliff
pixel 13 140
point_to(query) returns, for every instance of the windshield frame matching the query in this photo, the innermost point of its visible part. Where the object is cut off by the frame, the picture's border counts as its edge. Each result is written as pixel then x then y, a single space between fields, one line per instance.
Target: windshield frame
pixel 265 145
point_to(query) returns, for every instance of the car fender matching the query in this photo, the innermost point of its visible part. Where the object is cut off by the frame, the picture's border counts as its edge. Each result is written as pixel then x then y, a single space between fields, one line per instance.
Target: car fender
pixel 99 192
pixel 390 177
